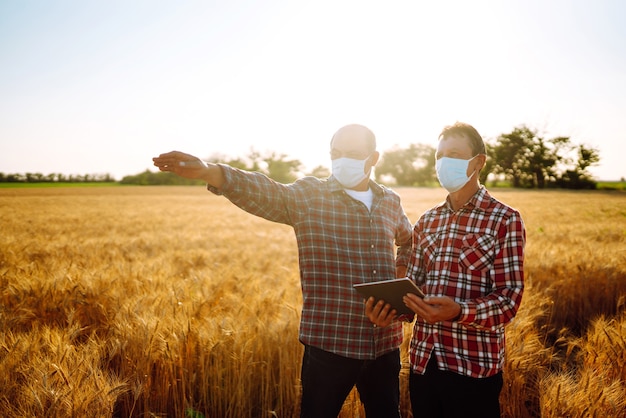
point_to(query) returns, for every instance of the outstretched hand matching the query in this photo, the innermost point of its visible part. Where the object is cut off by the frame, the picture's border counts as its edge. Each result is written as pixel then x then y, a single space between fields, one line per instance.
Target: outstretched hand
pixel 184 165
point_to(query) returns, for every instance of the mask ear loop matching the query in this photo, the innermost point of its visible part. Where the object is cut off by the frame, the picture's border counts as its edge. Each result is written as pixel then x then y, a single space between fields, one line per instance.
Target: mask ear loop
pixel 468 161
pixel 473 172
pixel 369 172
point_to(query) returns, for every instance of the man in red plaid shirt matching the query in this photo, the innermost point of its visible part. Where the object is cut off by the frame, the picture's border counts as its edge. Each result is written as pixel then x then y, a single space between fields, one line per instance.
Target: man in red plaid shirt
pixel 468 258
pixel 349 230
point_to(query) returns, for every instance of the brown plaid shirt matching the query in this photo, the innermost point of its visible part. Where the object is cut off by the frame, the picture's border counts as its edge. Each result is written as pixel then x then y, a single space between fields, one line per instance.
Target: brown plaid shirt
pixel 340 243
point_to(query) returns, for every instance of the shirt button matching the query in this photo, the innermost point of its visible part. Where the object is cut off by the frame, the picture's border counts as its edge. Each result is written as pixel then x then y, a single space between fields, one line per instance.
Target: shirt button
pixel 374 271
pixel 372 245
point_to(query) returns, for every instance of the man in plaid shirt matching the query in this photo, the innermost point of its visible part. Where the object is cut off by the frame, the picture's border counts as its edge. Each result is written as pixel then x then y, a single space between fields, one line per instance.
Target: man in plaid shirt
pixel 348 230
pixel 468 258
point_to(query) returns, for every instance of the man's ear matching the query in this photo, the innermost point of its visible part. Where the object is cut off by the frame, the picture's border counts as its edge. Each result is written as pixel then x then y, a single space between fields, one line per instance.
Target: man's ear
pixel 482 158
pixel 374 158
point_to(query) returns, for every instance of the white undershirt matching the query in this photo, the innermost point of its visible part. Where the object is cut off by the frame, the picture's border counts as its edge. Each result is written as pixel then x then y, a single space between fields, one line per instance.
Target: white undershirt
pixel 366 197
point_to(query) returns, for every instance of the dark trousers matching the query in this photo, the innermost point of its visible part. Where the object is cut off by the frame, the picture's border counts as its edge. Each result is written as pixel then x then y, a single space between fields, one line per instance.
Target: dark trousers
pixel 444 394
pixel 328 378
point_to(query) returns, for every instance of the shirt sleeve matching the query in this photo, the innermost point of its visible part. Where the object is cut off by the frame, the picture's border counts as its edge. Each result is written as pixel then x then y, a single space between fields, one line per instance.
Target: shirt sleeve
pixel 414 267
pixel 255 193
pixel 404 240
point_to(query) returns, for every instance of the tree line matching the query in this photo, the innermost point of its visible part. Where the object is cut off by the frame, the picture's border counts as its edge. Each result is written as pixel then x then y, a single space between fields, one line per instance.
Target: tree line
pixel 55 178
pixel 521 159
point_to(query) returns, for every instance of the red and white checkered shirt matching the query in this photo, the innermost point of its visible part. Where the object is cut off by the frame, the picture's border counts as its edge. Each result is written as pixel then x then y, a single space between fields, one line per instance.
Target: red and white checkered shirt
pixel 340 243
pixel 475 256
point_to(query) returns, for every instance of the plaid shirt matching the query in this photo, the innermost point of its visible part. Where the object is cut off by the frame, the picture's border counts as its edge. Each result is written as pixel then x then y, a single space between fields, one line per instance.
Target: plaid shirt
pixel 340 243
pixel 475 256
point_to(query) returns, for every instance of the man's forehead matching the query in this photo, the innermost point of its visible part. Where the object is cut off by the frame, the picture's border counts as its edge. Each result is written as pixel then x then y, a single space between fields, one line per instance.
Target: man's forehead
pixel 457 141
pixel 352 136
pixel 346 142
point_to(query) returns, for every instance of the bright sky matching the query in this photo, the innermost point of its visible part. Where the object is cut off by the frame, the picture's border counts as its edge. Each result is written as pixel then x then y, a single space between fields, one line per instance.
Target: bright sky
pixel 92 87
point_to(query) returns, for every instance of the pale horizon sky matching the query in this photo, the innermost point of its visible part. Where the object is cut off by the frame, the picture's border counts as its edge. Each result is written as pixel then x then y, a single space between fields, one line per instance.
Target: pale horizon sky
pixel 92 87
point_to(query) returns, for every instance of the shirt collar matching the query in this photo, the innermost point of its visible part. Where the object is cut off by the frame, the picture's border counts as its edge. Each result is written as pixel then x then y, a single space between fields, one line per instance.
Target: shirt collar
pixel 480 201
pixel 335 186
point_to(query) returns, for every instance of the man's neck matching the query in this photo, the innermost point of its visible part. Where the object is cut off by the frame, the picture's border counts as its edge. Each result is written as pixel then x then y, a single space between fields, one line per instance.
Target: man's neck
pixel 362 186
pixel 459 198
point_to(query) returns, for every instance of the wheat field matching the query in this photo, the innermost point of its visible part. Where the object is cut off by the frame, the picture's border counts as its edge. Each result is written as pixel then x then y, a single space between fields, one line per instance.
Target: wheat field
pixel 171 302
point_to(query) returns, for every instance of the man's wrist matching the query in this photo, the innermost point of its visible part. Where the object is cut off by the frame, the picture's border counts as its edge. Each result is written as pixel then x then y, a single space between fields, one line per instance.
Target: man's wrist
pixel 213 175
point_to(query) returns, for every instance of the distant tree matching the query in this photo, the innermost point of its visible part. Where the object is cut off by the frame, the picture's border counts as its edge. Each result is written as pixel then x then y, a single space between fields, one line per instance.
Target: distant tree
pixel 529 160
pixel 282 169
pixel 238 163
pixel 543 157
pixel 412 166
pixel 320 172
pixel 587 157
pixel 251 162
pixel 150 178
pixel 579 176
pixel 510 154
pixel 15 178
pixel 276 166
pixel 107 178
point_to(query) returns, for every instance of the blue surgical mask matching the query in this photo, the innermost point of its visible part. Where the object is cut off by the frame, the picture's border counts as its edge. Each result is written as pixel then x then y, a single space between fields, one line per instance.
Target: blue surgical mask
pixel 452 173
pixel 349 172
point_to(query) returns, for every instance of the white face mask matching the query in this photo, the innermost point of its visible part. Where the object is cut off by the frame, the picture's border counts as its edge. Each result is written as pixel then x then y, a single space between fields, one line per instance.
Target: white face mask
pixel 452 173
pixel 349 172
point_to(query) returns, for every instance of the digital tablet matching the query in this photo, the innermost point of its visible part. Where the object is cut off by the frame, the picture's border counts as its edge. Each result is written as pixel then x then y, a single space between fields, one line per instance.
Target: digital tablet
pixel 391 291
